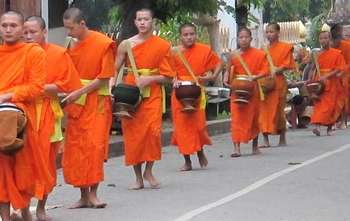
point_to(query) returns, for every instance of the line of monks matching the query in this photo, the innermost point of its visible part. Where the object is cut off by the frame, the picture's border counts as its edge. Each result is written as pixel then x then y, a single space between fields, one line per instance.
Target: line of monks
pixel 33 73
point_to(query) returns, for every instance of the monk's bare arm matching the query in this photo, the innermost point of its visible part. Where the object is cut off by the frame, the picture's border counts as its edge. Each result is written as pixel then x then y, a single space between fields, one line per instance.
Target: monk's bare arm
pixel 5 97
pixel 227 72
pixel 331 74
pixel 121 53
pixel 212 77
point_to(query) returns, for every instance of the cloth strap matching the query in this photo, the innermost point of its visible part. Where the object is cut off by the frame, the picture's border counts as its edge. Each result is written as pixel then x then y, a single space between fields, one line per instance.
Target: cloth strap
pixel 269 59
pixel 246 69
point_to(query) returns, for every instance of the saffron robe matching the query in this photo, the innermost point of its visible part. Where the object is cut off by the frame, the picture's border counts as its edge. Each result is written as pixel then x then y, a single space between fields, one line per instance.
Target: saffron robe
pixel 62 73
pixel 190 130
pixel 23 73
pixel 88 125
pixel 325 109
pixel 245 117
pixel 142 133
pixel 272 117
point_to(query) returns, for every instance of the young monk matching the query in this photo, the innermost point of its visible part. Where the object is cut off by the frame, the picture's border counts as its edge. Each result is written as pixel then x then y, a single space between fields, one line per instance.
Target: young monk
pixel 245 117
pixel 339 43
pixel 61 78
pixel 142 133
pixel 272 115
pixel 23 74
pixel 89 115
pixel 190 131
pixel 332 64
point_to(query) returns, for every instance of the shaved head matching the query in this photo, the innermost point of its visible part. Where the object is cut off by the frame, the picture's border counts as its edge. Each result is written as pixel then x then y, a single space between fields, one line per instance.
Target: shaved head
pixel 74 14
pixel 38 20
pixel 11 27
pixel 14 13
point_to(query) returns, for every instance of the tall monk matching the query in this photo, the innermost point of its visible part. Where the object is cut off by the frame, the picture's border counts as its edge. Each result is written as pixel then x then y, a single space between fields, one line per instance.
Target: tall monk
pixel 142 133
pixel 61 78
pixel 272 115
pixel 331 63
pixel 89 115
pixel 22 79
pixel 343 99
pixel 190 131
pixel 245 117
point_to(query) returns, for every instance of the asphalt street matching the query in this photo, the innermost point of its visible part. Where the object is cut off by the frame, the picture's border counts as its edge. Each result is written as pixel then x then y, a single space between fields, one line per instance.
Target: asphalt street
pixel 309 180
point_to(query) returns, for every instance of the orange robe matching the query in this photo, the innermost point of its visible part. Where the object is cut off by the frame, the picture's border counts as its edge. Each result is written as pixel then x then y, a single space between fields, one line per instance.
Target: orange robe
pixel 88 126
pixel 142 133
pixel 344 89
pixel 190 130
pixel 61 72
pixel 272 117
pixel 23 73
pixel 245 117
pixel 325 110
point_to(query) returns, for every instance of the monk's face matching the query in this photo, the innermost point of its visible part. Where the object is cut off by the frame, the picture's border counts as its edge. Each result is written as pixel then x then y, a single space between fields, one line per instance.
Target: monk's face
pixel 271 34
pixel 244 39
pixel 144 21
pixel 74 29
pixel 11 28
pixel 188 36
pixel 33 33
pixel 324 39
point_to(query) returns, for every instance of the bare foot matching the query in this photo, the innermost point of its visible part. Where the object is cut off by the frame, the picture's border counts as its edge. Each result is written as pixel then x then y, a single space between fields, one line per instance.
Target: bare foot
pixel 203 161
pixel 138 185
pixel 41 215
pixel 282 144
pixel 152 181
pixel 235 155
pixel 265 146
pixel 16 215
pixel 96 203
pixel 26 215
pixel 185 167
pixel 329 132
pixel 82 203
pixel 316 132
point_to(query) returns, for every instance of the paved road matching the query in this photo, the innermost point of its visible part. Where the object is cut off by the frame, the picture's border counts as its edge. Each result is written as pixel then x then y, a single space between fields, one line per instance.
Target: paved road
pixel 316 190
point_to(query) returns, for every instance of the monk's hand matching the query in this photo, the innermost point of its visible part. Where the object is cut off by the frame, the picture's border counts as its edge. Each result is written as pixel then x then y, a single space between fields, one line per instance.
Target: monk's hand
pixel 51 89
pixel 176 83
pixel 323 79
pixel 70 98
pixel 226 83
pixel 205 78
pixel 5 98
pixel 144 81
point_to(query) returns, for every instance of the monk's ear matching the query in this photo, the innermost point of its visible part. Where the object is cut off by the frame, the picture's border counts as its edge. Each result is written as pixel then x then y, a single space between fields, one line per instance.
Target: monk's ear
pixel 82 23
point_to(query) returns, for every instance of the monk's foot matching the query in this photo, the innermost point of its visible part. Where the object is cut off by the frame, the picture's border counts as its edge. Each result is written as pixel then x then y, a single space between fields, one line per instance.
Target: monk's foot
pixel 282 144
pixel 329 132
pixel 82 203
pixel 138 185
pixel 203 161
pixel 26 215
pixel 41 215
pixel 16 215
pixel 265 146
pixel 151 180
pixel 342 126
pixel 316 132
pixel 96 203
pixel 186 167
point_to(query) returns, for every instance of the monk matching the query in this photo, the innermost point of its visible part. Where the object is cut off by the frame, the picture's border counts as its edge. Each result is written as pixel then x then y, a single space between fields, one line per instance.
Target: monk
pixel 343 99
pixel 142 133
pixel 245 117
pixel 61 78
pixel 190 131
pixel 89 113
pixel 332 64
pixel 22 79
pixel 272 116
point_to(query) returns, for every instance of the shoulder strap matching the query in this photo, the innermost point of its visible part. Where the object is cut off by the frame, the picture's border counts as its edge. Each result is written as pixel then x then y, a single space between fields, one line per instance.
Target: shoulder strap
pixel 131 58
pixel 269 59
pixel 242 62
pixel 186 64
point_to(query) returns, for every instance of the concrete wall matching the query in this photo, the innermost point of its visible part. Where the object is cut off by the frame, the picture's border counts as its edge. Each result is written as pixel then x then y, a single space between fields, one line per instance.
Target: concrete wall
pixel 57 35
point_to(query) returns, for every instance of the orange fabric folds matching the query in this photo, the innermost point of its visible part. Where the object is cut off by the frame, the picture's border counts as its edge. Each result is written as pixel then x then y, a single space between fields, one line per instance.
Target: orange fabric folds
pixel 325 109
pixel 23 73
pixel 245 117
pixel 88 126
pixel 272 116
pixel 142 141
pixel 190 130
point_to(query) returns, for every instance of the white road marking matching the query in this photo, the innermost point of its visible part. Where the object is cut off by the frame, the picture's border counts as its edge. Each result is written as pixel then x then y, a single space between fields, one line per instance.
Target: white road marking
pixel 189 215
